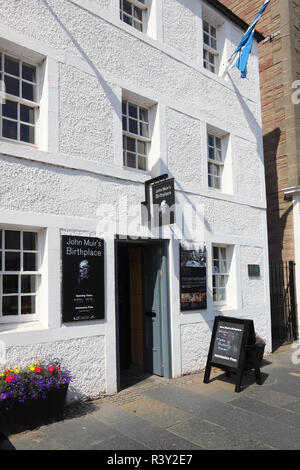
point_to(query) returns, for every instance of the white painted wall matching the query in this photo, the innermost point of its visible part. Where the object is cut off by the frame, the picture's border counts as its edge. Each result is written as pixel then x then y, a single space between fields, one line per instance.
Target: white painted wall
pixel 89 59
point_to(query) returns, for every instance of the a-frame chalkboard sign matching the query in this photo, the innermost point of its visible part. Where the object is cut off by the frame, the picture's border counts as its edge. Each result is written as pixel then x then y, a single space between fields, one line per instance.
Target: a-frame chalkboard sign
pixel 228 346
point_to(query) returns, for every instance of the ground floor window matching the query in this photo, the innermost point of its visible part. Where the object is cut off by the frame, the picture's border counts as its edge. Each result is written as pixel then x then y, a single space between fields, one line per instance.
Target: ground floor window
pixel 18 275
pixel 220 271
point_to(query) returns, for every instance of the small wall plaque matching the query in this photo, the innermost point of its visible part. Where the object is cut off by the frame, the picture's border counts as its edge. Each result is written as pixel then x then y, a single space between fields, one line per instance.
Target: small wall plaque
pixel 253 270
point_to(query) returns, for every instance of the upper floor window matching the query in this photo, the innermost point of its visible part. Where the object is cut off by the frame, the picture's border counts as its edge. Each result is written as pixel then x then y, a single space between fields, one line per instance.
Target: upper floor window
pixel 215 161
pixel 18 275
pixel 19 102
pixel 136 140
pixel 210 52
pixel 132 12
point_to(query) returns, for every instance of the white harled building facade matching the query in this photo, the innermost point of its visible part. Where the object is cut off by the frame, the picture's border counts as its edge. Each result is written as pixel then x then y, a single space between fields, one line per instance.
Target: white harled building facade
pixel 99 97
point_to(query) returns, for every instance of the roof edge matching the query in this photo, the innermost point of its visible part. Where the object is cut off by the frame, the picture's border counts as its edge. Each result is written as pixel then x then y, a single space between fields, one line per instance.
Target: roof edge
pixel 234 18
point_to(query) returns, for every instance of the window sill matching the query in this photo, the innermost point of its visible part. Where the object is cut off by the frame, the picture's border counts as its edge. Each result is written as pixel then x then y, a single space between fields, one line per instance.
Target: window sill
pixel 11 328
pixel 221 308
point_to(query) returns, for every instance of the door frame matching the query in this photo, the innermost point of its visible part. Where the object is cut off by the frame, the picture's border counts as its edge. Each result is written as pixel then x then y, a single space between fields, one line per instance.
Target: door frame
pixel 165 304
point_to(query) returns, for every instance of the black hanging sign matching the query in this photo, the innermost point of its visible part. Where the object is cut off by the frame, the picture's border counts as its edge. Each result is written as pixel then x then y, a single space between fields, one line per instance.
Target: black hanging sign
pixel 229 341
pixel 82 278
pixel 192 277
pixel 163 197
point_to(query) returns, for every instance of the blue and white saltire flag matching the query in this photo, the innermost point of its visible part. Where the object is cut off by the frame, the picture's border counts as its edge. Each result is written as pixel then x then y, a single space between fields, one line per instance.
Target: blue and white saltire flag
pixel 245 46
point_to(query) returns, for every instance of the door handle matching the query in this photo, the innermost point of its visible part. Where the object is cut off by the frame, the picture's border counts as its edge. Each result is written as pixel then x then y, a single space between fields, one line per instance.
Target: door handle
pixel 150 314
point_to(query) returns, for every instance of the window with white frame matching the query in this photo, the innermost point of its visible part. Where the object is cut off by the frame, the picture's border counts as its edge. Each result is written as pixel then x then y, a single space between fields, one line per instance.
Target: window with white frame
pixel 19 99
pixel 136 135
pixel 210 52
pixel 133 13
pixel 220 270
pixel 18 275
pixel 215 161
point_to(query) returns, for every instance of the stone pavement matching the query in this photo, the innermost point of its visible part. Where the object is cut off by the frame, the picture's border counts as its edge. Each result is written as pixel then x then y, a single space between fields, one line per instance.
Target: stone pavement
pixel 185 414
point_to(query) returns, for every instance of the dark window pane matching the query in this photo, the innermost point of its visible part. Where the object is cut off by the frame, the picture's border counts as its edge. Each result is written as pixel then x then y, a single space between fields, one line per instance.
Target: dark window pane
pixel 28 72
pixel 211 153
pixel 12 261
pixel 10 285
pixel 127 20
pixel 9 129
pixel 28 285
pixel 206 26
pixel 10 109
pixel 27 304
pixel 0 239
pixel 131 160
pixel 27 91
pixel 127 7
pixel 27 114
pixel 138 13
pixel 12 86
pixel 29 241
pixel 132 110
pixel 124 123
pixel 12 240
pixel 29 262
pixel 27 134
pixel 130 144
pixel 133 126
pixel 11 66
pixel 124 107
pixel 206 39
pixel 0 260
pixel 10 305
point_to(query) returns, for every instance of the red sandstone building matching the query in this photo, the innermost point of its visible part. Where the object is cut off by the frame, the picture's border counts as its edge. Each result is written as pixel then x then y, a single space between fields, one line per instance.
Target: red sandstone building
pixel 279 56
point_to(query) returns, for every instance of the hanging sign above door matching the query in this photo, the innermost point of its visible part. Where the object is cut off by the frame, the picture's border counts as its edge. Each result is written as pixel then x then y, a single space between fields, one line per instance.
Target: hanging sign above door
pixel 163 198
pixel 162 211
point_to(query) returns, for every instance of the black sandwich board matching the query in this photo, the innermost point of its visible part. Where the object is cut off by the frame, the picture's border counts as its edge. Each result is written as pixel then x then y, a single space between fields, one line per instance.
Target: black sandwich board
pixel 227 351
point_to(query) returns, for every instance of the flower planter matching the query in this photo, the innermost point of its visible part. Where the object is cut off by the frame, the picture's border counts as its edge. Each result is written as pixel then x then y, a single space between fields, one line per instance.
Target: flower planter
pixel 254 356
pixel 34 412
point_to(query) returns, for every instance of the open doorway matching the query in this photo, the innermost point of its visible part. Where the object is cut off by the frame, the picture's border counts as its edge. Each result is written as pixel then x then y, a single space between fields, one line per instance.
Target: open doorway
pixel 143 331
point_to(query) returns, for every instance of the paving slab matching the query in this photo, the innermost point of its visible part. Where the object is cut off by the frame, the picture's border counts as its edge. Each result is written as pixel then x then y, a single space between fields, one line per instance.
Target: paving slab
pixel 211 436
pixel 156 412
pixel 141 430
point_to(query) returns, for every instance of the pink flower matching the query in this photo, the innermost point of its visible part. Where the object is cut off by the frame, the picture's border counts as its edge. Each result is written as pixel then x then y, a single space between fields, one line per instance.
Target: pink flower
pixel 51 368
pixel 38 369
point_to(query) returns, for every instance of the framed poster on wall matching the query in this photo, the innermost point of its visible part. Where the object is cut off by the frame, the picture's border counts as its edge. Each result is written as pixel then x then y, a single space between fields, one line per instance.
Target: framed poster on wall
pixel 193 277
pixel 82 278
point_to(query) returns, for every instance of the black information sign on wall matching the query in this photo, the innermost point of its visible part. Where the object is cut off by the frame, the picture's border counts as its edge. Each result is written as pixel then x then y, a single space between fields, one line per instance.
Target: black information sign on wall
pixel 192 277
pixel 163 197
pixel 82 278
pixel 230 338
